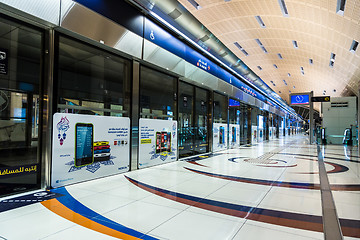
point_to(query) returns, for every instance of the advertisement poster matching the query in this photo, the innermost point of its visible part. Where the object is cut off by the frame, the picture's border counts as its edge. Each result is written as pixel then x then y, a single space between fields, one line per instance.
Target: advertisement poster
pixel 234 135
pixel 254 134
pixel 86 147
pixel 157 142
pixel 220 139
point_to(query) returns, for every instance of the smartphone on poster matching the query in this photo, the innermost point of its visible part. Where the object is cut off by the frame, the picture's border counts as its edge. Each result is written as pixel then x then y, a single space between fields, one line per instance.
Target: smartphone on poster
pixel 84 144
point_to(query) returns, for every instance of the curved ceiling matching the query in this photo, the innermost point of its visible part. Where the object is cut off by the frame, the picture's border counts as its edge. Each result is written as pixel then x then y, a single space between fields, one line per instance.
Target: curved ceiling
pixel 317 28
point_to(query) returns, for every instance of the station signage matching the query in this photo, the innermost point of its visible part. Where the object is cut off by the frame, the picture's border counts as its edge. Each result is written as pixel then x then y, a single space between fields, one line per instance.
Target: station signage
pixel 321 99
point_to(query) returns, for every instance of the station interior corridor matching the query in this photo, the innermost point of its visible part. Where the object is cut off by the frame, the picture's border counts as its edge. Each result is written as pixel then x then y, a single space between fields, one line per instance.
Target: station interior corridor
pixel 271 190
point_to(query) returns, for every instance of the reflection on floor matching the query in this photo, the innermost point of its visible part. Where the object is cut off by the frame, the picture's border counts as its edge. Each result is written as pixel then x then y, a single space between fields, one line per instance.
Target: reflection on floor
pixel 268 191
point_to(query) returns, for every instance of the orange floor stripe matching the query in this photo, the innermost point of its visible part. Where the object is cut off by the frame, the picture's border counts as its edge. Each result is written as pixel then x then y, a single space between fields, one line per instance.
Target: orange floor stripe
pixel 58 208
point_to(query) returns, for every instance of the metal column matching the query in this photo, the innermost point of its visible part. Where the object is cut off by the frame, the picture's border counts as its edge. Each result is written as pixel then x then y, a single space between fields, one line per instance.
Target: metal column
pixel 135 116
pixel 46 106
pixel 311 117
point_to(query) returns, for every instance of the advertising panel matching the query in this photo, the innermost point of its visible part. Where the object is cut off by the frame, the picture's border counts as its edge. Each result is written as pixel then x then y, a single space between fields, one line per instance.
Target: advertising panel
pixel 85 147
pixel 234 135
pixel 157 142
pixel 261 130
pixel 254 134
pixel 220 136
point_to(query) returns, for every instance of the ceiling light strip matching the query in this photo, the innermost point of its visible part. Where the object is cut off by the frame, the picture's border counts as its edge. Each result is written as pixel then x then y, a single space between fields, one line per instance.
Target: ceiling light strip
pixel 260 21
pixel 295 44
pixel 283 8
pixel 332 60
pixel 195 4
pixel 340 7
pixel 354 46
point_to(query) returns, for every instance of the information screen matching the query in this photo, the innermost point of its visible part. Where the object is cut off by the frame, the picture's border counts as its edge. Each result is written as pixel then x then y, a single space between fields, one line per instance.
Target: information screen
pixel 299 99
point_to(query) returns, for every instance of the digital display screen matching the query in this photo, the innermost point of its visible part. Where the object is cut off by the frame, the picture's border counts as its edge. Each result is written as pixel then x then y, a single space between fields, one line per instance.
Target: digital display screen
pixel 233 103
pixel 299 99
pixel 84 144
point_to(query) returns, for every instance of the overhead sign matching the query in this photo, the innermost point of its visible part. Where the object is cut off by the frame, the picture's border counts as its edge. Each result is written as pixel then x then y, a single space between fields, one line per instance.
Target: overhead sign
pixel 299 99
pixel 321 99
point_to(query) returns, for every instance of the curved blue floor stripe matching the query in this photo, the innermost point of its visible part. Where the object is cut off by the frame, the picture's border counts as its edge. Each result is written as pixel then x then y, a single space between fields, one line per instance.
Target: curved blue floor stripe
pixel 74 205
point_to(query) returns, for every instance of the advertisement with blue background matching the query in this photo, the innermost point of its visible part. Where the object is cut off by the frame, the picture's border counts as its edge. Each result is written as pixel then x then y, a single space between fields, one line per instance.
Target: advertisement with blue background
pixel 86 147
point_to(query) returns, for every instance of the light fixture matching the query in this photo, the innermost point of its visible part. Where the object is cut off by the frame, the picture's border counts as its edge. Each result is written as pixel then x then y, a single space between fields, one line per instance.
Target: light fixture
pixel 195 4
pixel 241 48
pixel 295 44
pixel 260 21
pixel 340 7
pixel 283 8
pixel 332 60
pixel 354 46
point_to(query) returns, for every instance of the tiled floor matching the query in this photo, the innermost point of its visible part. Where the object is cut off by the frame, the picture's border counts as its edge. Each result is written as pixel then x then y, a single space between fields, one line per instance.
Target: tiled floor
pixel 267 191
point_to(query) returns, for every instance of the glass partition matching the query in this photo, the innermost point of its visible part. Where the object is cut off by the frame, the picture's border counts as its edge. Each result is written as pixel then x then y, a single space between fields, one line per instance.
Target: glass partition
pixel 193 120
pixel 20 77
pixel 157 94
pixel 92 81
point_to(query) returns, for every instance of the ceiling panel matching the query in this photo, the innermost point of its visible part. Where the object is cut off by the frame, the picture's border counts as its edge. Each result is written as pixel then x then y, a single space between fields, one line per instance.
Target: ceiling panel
pixel 315 25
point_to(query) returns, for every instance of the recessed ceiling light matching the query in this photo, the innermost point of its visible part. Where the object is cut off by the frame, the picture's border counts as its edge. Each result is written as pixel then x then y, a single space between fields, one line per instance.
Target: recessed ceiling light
pixel 260 21
pixel 258 42
pixel 285 82
pixel 195 4
pixel 295 44
pixel 340 7
pixel 279 91
pixel 279 55
pixel 241 48
pixel 334 90
pixel 332 60
pixel 311 61
pixel 275 66
pixel 289 74
pixel 260 68
pixel 283 8
pixel 354 46
pixel 293 86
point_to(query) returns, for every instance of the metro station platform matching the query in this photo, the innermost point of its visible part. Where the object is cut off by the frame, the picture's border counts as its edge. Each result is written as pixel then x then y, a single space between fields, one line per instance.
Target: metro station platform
pixel 273 190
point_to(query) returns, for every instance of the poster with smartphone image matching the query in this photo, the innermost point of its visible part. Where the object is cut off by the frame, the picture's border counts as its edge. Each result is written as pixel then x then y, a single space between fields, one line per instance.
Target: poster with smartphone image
pixel 157 142
pixel 86 147
pixel 220 139
pixel 234 135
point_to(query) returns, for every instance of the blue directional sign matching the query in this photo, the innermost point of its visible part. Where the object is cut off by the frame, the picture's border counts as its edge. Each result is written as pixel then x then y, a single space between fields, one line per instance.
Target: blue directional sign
pixel 301 99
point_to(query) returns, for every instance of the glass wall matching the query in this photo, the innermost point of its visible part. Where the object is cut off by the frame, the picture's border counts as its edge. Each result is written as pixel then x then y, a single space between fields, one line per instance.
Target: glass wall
pixel 193 120
pixel 245 124
pixel 220 108
pixel 91 81
pixel 20 80
pixel 201 121
pixel 157 94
